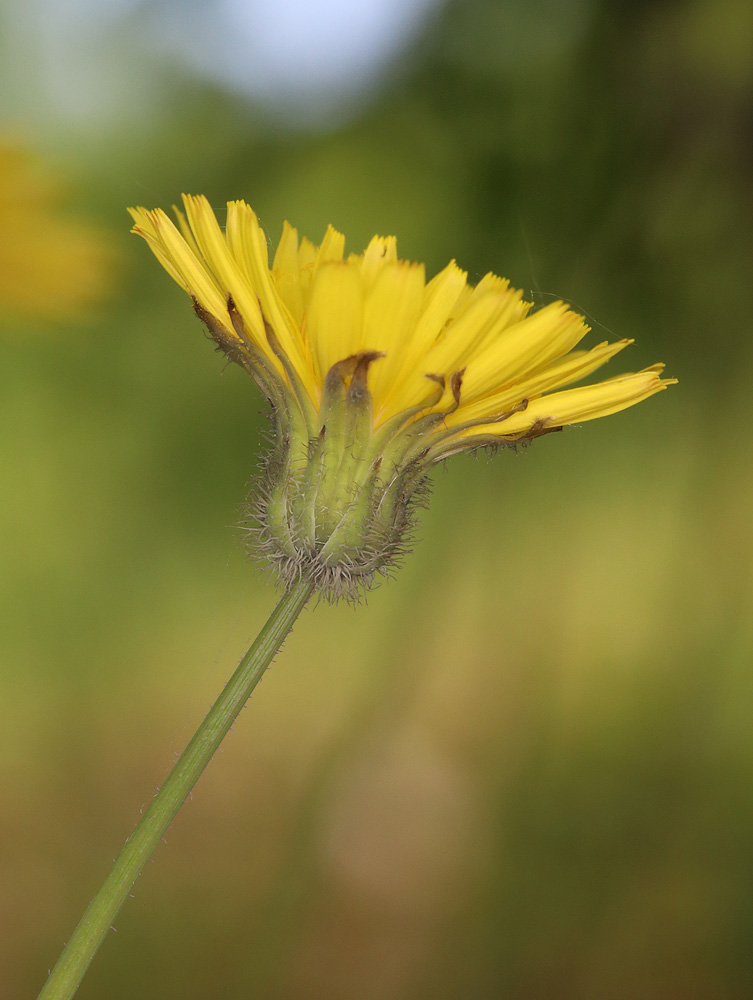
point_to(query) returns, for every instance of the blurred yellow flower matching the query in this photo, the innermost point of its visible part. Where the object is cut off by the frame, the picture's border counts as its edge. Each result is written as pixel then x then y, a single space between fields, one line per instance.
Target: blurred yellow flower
pixel 51 267
pixel 374 375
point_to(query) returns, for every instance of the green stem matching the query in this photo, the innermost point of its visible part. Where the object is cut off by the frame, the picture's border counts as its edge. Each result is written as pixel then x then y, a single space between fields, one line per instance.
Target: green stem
pixel 65 978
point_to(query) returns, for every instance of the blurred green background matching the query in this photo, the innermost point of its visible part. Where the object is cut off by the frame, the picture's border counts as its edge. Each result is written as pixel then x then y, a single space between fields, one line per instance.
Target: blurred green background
pixel 525 767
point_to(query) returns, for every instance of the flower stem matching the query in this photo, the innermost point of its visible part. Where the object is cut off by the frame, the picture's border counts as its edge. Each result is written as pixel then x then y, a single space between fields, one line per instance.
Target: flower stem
pixel 65 978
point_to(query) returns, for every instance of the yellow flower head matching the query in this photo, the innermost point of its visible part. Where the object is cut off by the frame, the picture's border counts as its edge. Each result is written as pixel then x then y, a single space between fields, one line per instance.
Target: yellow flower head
pixel 51 267
pixel 374 375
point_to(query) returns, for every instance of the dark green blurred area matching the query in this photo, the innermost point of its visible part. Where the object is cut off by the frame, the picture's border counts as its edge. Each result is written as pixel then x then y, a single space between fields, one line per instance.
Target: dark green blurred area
pixel 525 768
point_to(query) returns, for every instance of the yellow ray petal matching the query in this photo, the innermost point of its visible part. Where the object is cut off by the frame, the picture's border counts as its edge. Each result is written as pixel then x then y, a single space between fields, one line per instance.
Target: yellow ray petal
pixel 463 300
pixel 440 297
pixel 456 342
pixel 286 272
pixel 213 247
pixel 575 366
pixel 572 406
pixel 380 251
pixel 334 319
pixel 331 249
pixel 145 228
pixel 307 252
pixel 392 309
pixel 248 245
pixel 531 344
pixel 194 276
pixel 185 230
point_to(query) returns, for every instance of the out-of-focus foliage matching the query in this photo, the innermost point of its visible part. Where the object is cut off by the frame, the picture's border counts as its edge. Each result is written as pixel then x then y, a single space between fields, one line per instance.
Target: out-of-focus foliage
pixel 524 769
